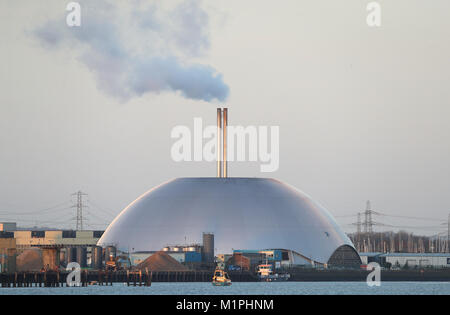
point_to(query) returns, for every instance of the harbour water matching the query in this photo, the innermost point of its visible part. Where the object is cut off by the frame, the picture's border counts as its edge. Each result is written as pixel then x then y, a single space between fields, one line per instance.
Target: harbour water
pixel 247 288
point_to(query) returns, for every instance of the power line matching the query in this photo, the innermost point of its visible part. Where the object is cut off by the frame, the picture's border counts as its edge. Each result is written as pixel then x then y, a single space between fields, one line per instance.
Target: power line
pixel 101 209
pixel 394 216
pixel 369 223
pixel 57 214
pixel 54 208
pixel 409 217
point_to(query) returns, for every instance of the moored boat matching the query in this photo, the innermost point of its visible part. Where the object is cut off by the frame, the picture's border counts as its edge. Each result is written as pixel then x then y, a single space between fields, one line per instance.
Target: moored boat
pixel 265 273
pixel 221 278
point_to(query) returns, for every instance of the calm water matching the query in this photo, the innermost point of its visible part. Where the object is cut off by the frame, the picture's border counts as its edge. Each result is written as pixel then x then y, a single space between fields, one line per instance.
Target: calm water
pixel 257 288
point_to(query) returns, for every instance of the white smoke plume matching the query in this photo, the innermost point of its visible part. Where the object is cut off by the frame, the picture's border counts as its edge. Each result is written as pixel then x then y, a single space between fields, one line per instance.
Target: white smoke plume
pixel 138 49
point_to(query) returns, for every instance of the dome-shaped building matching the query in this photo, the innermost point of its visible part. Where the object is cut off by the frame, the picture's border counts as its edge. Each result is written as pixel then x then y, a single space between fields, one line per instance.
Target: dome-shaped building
pixel 243 213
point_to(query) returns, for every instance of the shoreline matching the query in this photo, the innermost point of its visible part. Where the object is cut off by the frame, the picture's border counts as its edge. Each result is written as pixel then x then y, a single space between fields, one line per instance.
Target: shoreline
pixel 102 278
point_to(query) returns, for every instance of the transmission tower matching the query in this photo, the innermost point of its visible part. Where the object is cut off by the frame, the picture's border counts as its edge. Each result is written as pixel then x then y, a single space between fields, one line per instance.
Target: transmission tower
pixel 79 205
pixel 358 224
pixel 368 222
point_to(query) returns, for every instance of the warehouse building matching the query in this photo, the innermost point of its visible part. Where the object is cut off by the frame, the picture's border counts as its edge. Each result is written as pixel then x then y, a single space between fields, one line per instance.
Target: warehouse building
pixel 278 257
pixel 408 260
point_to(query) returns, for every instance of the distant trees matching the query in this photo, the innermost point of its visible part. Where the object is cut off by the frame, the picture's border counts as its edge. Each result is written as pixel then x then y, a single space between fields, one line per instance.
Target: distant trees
pixel 398 242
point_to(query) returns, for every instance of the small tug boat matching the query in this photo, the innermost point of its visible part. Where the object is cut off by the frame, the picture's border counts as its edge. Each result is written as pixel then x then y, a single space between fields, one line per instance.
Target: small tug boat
pixel 221 278
pixel 265 273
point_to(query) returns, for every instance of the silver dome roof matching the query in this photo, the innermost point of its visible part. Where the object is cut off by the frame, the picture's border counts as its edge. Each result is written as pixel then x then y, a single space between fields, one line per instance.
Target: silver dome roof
pixel 243 213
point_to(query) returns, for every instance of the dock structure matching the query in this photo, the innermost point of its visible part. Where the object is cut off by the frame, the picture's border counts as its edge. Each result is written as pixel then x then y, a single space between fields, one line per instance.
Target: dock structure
pixel 145 278
pixel 51 279
pixel 108 278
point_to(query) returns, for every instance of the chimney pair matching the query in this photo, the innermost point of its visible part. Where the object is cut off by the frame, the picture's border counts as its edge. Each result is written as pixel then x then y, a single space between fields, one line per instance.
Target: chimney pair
pixel 222 122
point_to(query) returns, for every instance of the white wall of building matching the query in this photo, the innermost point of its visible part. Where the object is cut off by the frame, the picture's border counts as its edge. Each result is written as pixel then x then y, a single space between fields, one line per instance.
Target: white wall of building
pixel 419 261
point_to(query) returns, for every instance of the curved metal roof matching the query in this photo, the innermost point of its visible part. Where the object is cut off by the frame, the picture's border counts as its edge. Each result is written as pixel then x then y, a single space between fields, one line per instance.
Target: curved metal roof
pixel 243 213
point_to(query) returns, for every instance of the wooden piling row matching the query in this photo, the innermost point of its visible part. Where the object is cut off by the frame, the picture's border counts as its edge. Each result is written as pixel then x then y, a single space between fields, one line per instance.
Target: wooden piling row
pixel 107 278
pixel 30 279
pixel 138 278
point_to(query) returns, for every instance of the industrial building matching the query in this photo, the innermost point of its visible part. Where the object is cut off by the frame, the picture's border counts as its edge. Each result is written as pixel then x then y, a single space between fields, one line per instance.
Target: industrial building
pixel 242 213
pixel 56 247
pixel 7 252
pixel 408 260
pixel 25 239
pixel 8 226
pixel 280 258
pixel 186 254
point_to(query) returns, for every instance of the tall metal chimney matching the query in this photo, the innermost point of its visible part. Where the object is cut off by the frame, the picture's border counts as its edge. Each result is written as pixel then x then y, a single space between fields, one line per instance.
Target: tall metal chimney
pixel 225 123
pixel 219 142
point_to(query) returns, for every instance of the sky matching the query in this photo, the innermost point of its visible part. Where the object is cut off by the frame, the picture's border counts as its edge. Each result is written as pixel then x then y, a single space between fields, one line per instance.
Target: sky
pixel 362 111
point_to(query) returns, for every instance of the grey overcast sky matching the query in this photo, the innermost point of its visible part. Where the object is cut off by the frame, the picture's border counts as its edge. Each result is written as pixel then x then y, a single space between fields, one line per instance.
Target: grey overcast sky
pixel 363 112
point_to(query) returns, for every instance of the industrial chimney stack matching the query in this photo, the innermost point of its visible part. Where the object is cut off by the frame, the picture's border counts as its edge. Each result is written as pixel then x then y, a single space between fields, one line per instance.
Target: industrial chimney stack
pixel 219 142
pixel 222 123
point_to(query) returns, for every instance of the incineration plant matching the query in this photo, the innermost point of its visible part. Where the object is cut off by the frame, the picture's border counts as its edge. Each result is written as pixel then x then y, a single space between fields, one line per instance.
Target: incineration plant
pixel 242 213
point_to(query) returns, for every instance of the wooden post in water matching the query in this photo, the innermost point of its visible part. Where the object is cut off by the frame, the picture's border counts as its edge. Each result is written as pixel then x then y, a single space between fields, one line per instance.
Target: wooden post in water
pixel 149 277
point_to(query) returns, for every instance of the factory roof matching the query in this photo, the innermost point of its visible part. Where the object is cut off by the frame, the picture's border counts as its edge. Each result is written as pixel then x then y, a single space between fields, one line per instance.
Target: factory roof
pixel 374 254
pixel 370 254
pixel 416 255
pixel 259 251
